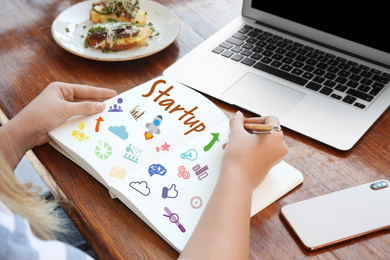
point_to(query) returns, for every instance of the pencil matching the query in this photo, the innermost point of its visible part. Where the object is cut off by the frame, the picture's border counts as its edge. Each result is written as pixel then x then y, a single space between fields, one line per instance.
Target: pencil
pixel 259 128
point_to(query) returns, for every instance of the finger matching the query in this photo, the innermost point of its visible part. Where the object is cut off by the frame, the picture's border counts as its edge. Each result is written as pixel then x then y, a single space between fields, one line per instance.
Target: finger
pixel 237 122
pixel 84 108
pixel 77 91
pixel 88 99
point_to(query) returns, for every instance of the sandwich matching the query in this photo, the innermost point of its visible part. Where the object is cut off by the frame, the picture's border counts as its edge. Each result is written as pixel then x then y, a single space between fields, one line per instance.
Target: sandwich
pixel 121 10
pixel 114 35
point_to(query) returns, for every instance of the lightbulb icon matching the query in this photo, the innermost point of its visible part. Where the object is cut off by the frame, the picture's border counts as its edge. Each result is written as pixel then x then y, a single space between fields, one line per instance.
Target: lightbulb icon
pixel 191 155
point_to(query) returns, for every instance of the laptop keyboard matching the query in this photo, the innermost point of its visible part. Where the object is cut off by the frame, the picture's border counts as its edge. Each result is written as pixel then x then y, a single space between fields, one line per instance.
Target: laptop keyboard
pixel 347 81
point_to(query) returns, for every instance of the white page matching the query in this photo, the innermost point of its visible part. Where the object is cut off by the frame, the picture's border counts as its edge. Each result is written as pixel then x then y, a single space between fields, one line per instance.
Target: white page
pixel 135 112
pixel 146 192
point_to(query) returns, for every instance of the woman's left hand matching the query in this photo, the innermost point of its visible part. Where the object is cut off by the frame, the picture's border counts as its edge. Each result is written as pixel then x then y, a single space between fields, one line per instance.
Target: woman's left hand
pixel 58 102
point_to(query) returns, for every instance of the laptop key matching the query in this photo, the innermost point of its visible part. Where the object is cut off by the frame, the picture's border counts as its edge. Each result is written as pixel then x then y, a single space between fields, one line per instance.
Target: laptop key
pixel 243 30
pixel 364 88
pixel 330 84
pixel 218 50
pixel 227 54
pixel 251 40
pixel 359 94
pixel 313 86
pixel 256 56
pixel 248 61
pixel 326 91
pixel 266 60
pixel 252 34
pixel 280 73
pixel 246 53
pixel 307 75
pixel 318 79
pixel 352 84
pixel 276 64
pixel 237 57
pixel 297 71
pixel 235 41
pixel 226 45
pixel 341 88
pixel 335 96
pixel 349 99
pixel 257 49
pixel 357 104
pixel 286 67
pixel 380 79
pixel 247 46
pixel 236 49
pixel 376 88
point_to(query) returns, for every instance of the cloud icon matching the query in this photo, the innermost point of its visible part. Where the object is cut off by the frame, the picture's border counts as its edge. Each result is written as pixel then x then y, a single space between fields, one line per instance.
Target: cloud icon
pixel 141 187
pixel 120 131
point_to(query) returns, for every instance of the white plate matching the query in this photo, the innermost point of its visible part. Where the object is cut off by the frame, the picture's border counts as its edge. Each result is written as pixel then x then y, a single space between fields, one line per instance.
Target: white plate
pixel 70 28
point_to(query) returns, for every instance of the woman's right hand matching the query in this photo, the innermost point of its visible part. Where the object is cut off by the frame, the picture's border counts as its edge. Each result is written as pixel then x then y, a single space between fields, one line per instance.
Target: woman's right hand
pixel 252 156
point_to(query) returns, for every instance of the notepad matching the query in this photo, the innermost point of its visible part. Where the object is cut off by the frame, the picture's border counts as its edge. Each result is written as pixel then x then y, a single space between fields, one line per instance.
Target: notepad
pixel 158 148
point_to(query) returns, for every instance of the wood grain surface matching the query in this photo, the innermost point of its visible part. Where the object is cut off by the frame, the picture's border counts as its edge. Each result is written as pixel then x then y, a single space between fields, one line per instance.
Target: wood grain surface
pixel 30 59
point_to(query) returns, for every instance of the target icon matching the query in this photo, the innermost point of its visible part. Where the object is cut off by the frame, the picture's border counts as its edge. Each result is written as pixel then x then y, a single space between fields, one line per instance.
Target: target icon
pixel 196 202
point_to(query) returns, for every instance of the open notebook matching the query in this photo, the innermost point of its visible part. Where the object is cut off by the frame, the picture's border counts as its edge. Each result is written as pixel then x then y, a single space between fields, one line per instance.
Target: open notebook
pixel 158 148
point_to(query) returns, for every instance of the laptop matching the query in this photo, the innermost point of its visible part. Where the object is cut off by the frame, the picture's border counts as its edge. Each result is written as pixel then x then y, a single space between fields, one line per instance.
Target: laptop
pixel 324 71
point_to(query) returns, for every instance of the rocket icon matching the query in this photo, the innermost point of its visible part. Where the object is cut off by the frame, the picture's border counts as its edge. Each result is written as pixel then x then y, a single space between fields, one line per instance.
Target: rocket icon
pixel 153 127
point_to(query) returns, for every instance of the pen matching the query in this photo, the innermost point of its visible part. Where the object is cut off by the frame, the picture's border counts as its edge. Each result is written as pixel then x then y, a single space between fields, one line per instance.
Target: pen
pixel 260 129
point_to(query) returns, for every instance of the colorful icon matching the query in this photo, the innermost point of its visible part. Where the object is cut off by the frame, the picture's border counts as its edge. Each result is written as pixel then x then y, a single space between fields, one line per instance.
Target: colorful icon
pixel 183 173
pixel 132 153
pixel 100 119
pixel 141 187
pixel 200 172
pixel 79 134
pixel 118 172
pixel 191 155
pixel 119 131
pixel 136 113
pixel 103 150
pixel 153 128
pixel 157 169
pixel 196 202
pixel 174 218
pixel 212 142
pixel 116 107
pixel 164 147
pixel 170 193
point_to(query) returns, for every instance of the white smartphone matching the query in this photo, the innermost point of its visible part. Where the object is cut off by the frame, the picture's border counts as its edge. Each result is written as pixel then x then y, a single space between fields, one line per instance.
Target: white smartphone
pixel 339 216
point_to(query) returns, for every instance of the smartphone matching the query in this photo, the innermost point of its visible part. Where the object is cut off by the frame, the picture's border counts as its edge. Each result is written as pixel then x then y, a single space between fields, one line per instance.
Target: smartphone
pixel 340 216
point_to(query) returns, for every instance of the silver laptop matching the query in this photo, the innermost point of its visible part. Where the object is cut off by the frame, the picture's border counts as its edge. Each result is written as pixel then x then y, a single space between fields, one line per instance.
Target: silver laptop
pixel 323 71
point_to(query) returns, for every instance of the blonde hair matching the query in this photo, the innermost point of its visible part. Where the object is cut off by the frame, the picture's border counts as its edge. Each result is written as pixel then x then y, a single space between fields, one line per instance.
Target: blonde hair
pixel 23 200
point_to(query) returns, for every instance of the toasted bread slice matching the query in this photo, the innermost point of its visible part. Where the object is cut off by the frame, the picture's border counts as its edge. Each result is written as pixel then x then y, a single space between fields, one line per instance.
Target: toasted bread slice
pixel 95 17
pixel 122 44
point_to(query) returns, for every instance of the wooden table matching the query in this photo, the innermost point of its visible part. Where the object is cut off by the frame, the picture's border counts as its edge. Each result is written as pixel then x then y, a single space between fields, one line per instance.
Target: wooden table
pixel 31 59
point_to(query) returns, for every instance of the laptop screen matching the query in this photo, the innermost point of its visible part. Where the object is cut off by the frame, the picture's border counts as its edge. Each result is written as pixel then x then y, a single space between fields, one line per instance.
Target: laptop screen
pixel 361 23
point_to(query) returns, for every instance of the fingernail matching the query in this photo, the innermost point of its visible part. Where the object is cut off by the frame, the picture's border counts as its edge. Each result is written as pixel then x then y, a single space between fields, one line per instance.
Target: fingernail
pixel 235 114
pixel 238 113
pixel 100 106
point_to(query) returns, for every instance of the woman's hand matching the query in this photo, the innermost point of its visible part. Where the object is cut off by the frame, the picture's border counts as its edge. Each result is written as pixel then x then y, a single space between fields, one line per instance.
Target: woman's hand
pixel 252 156
pixel 58 102
pixel 223 229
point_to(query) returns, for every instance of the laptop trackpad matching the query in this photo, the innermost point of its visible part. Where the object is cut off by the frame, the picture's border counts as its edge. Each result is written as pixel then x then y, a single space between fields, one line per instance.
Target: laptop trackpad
pixel 263 96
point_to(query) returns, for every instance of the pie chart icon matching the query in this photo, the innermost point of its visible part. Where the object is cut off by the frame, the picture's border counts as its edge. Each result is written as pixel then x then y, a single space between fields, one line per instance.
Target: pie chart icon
pixel 103 150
